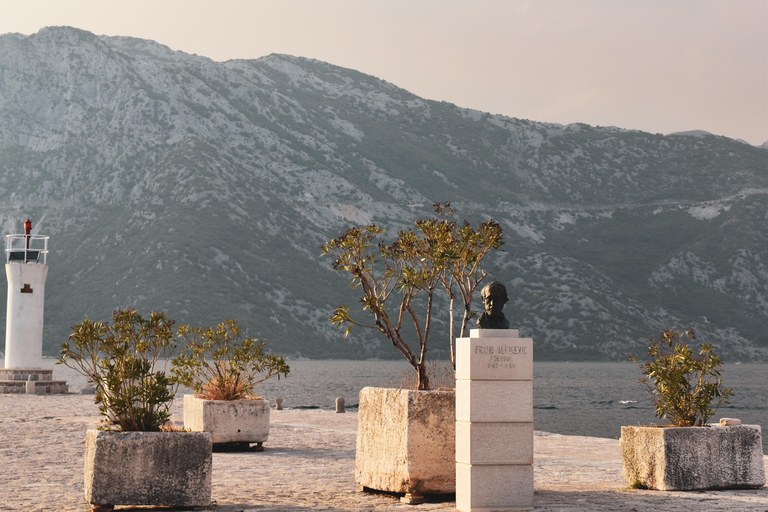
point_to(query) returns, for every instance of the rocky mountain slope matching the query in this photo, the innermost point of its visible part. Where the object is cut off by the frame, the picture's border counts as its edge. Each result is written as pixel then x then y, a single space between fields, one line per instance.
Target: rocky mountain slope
pixel 204 189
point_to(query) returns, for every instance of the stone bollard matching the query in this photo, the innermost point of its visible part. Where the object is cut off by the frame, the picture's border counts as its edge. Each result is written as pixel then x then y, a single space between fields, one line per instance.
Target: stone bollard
pixel 278 404
pixel 31 384
pixel 340 405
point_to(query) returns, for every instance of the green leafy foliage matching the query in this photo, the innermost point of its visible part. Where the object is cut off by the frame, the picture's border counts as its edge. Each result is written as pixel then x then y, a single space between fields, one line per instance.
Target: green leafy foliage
pixel 419 261
pixel 683 385
pixel 219 365
pixel 120 360
pixel 468 247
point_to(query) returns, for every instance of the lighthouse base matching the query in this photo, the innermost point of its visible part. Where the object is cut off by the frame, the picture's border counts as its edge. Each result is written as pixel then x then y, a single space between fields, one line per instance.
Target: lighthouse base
pixel 33 381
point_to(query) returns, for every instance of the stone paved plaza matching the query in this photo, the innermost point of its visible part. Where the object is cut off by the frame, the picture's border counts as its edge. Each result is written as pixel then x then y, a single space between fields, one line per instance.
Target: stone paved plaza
pixel 308 465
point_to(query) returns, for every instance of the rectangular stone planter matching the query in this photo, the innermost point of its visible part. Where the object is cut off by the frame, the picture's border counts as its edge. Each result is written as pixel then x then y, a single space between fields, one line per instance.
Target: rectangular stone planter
pixel 228 421
pixel 693 458
pixel 148 468
pixel 406 441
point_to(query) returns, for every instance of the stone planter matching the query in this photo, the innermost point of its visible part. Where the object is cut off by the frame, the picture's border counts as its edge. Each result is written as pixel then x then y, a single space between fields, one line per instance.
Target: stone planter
pixel 693 458
pixel 148 468
pixel 406 441
pixel 228 421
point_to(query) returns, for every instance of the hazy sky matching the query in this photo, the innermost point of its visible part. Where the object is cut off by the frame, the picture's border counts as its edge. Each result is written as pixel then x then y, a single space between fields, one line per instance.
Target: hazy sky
pixel 655 65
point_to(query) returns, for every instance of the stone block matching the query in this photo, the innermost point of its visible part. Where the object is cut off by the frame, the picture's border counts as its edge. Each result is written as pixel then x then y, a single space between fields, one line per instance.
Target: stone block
pixel 25 373
pixel 492 358
pixel 494 488
pixel 228 421
pixel 35 387
pixel 693 458
pixel 491 401
pixel 148 468
pixel 13 386
pixel 406 441
pixel 494 443
pixel 54 387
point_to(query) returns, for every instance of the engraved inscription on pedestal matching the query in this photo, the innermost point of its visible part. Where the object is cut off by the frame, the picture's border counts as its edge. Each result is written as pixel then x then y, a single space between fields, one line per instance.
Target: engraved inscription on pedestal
pixel 497 358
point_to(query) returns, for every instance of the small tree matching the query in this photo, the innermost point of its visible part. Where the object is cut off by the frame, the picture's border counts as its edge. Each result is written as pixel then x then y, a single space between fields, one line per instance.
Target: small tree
pixel 120 361
pixel 218 365
pixel 412 268
pixel 683 386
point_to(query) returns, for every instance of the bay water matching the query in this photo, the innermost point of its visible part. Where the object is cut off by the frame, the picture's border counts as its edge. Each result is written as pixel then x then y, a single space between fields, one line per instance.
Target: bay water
pixel 573 398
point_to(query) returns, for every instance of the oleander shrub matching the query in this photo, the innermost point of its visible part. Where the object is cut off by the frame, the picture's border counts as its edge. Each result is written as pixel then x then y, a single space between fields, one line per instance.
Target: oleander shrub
pixel 122 361
pixel 686 387
pixel 218 364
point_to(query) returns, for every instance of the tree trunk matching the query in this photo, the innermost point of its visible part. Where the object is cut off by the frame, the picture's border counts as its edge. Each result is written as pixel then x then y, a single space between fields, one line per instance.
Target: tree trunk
pixel 423 378
pixel 465 319
pixel 453 348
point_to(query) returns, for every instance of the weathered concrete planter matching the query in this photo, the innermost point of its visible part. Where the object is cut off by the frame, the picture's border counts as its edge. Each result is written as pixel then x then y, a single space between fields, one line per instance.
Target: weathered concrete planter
pixel 228 421
pixel 406 441
pixel 148 468
pixel 693 458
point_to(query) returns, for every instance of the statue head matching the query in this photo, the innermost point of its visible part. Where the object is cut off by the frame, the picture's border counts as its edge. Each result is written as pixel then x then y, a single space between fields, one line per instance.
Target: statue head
pixel 494 296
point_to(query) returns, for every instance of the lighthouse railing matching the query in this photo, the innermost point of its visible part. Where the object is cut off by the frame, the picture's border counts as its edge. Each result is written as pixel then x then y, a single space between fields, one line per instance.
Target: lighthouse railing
pixel 26 248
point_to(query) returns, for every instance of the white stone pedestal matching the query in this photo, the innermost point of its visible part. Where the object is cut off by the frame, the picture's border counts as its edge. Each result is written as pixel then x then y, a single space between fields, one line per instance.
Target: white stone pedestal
pixel 494 421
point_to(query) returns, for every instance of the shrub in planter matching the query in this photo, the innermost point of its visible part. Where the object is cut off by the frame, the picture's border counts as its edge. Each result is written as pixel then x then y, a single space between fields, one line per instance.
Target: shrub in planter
pixel 121 361
pixel 686 389
pixel 399 283
pixel 689 454
pixel 224 369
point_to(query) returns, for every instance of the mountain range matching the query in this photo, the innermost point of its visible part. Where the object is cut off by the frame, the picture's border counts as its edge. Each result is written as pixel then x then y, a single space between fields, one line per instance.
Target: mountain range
pixel 204 189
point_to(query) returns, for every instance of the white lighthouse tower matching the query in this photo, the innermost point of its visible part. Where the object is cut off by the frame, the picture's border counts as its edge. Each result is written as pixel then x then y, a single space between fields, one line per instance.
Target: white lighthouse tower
pixel 26 267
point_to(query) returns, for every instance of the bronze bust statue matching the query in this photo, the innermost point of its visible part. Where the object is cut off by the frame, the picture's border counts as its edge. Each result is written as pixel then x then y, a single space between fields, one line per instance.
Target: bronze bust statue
pixel 494 297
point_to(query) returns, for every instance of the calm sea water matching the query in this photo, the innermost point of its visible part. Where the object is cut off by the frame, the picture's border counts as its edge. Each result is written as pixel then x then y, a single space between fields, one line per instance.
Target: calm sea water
pixel 590 399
